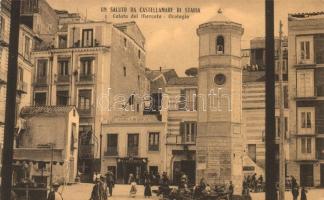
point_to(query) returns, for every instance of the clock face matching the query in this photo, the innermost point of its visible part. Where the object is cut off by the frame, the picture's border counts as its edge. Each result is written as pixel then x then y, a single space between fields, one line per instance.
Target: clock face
pixel 219 79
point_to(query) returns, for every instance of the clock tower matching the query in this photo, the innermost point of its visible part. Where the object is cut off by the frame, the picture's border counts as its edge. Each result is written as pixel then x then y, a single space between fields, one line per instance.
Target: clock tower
pixel 219 140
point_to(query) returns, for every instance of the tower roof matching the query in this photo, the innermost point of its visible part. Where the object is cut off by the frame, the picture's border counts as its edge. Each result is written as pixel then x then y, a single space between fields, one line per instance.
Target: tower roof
pixel 220 17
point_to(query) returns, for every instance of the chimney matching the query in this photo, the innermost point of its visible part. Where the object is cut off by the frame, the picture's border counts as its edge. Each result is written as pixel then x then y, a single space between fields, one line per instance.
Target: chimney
pixel 160 69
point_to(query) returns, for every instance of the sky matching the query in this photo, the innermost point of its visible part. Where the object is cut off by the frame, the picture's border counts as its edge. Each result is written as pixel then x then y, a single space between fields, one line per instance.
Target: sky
pixel 173 43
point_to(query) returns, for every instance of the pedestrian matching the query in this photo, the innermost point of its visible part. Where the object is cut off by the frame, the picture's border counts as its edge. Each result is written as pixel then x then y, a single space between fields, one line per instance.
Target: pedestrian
pixel 133 184
pixel 104 187
pixel 54 195
pixel 94 177
pixel 230 190
pixel 147 186
pixel 110 181
pixel 294 188
pixel 98 191
pixel 303 195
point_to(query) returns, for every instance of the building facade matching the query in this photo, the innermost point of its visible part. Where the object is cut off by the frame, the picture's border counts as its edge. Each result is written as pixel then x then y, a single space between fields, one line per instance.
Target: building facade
pixel 305 38
pixel 253 102
pixel 42 146
pixel 85 67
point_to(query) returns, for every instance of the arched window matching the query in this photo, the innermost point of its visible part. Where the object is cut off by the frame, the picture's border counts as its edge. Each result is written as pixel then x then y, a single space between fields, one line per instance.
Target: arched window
pixel 220 45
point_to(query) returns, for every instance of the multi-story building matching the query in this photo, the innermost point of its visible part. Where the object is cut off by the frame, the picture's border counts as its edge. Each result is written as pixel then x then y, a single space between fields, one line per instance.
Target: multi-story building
pixel 4 42
pixel 89 64
pixel 306 45
pixel 181 127
pixel 253 101
pixel 25 65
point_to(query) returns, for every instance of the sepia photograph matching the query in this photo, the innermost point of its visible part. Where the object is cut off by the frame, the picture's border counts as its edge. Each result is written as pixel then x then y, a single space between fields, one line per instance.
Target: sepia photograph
pixel 162 99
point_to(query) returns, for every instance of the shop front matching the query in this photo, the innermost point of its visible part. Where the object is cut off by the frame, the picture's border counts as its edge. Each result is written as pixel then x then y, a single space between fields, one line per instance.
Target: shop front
pixel 131 165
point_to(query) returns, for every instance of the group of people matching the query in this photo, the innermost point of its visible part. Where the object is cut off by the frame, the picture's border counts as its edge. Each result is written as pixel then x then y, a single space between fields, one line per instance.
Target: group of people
pixel 295 190
pixel 147 185
pixel 203 189
pixel 253 183
pixel 103 186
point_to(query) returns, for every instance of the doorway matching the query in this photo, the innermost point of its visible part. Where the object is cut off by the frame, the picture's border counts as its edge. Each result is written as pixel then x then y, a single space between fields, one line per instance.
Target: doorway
pixel 322 175
pixel 184 166
pixel 306 175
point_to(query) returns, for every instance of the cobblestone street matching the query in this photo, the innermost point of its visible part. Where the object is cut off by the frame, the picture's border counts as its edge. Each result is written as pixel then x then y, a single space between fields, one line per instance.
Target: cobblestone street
pixel 82 191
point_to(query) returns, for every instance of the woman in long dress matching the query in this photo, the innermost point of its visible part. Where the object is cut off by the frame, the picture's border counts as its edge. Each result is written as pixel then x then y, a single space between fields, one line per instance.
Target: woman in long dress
pixel 132 182
pixel 147 185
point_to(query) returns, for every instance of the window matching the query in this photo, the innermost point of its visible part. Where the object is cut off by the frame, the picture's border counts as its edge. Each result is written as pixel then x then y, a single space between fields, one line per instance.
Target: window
pixel 86 66
pixel 85 134
pixel 305 50
pixel 124 71
pixel 20 74
pixel 42 68
pixel 278 126
pixel 188 131
pixel 62 41
pixel 154 141
pixel 220 45
pixel 139 54
pixel 27 47
pixel 306 145
pixel 188 99
pixel 63 67
pixel 252 151
pixel 2 26
pixel 40 99
pixel 62 98
pixel 87 37
pixel 125 42
pixel 132 144
pixel 73 144
pixel 306 119
pixel 112 145
pixel 305 83
pixel 84 100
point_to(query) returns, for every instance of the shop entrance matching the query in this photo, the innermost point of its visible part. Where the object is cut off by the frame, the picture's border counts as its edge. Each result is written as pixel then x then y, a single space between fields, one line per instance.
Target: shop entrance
pixel 306 175
pixel 187 167
pixel 127 166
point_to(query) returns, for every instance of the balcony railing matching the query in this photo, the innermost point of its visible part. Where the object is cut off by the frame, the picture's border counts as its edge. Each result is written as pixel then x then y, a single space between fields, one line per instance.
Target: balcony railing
pixel 86 78
pixel 22 87
pixel 132 151
pixel 86 151
pixel 111 151
pixel 85 112
pixel 63 78
pixel 178 140
pixel 41 80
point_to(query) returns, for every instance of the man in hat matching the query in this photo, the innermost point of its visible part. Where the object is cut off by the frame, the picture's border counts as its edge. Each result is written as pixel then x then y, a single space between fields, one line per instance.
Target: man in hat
pixel 110 180
pixel 54 194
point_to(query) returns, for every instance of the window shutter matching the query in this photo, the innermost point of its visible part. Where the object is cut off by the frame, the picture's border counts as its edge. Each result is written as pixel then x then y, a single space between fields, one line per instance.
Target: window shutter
pixel 182 133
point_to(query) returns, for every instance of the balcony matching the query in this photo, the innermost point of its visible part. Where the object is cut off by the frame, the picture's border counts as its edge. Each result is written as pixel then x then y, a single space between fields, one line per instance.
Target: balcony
pixel 111 151
pixel 41 81
pixel 86 151
pixel 86 79
pixel 178 140
pixel 22 87
pixel 62 79
pixel 132 151
pixel 85 112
